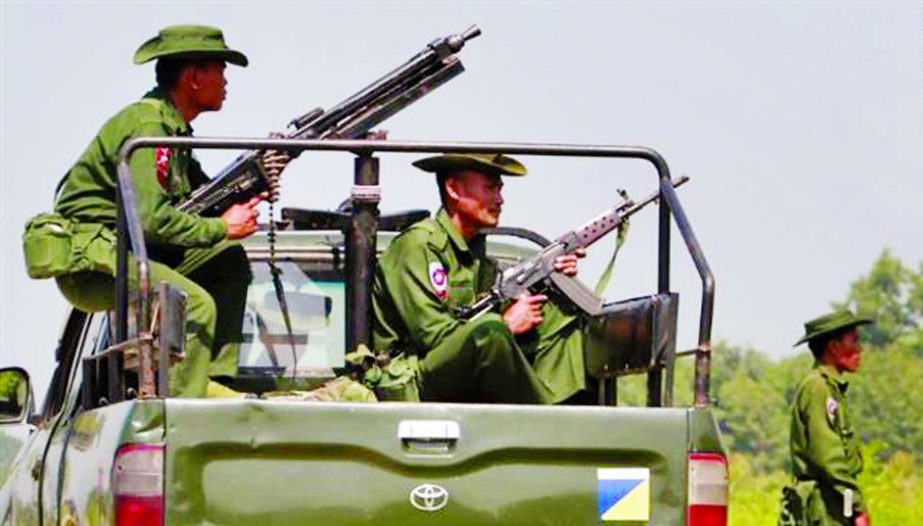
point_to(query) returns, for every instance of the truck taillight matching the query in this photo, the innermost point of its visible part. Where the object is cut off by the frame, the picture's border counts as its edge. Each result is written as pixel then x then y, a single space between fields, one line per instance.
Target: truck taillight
pixel 137 484
pixel 708 490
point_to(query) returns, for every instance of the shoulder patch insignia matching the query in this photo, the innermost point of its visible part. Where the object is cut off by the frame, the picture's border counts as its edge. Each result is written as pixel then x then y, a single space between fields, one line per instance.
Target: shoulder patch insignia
pixel 162 163
pixel 832 407
pixel 439 280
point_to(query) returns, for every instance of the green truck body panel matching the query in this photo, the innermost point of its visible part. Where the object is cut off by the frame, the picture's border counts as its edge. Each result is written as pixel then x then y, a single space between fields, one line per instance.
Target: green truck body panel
pixel 261 462
pixel 272 462
pixel 93 440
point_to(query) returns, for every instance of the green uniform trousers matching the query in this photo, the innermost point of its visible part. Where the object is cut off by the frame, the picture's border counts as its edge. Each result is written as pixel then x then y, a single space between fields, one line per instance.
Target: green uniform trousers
pixel 210 277
pixel 483 362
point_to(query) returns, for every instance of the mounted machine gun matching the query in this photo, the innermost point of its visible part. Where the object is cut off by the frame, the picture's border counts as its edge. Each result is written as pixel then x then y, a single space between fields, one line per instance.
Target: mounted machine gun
pixel 351 119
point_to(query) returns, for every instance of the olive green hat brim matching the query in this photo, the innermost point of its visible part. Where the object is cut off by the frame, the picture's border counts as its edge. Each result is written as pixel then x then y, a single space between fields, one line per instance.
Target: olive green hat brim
pixel 855 322
pixel 494 164
pixel 189 41
pixel 228 55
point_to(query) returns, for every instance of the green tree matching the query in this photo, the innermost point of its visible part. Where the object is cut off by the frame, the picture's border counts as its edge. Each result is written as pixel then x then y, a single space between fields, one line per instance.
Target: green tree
pixel 753 394
pixel 892 295
pixel 884 392
pixel 884 401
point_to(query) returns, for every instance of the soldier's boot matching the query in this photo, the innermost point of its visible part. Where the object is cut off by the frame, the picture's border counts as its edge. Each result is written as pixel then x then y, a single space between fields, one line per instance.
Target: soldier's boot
pixel 216 390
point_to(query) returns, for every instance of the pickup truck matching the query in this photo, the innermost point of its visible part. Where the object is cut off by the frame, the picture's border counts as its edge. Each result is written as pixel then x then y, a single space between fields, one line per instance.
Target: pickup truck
pixel 103 451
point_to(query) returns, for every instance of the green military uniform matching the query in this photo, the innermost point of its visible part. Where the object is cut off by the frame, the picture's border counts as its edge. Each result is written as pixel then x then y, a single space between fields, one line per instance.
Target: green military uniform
pixel 825 449
pixel 188 251
pixel 424 276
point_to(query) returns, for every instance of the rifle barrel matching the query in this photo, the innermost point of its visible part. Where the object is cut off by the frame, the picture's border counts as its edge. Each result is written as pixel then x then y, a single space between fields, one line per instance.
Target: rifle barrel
pixel 599 226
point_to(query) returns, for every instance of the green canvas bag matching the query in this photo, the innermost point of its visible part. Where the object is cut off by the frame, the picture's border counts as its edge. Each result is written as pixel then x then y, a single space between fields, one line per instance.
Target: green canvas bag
pixel 47 245
pixel 391 379
pixel 54 245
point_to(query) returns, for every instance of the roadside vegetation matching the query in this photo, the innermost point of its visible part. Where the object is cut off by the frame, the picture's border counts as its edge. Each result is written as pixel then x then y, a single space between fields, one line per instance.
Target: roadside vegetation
pixel 753 394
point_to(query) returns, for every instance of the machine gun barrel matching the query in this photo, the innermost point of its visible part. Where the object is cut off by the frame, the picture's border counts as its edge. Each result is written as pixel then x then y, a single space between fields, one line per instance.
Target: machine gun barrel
pixel 350 119
pixel 531 272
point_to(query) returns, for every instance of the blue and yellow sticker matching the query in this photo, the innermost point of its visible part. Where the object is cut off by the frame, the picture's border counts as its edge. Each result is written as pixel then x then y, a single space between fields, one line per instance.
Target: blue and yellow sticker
pixel 624 494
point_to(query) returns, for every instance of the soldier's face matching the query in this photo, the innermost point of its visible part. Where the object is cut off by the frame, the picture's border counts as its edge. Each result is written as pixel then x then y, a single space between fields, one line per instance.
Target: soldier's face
pixel 209 85
pixel 846 352
pixel 478 198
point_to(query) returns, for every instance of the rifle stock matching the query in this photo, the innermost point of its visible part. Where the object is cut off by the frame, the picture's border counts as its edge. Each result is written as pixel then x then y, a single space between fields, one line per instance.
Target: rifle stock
pixel 353 118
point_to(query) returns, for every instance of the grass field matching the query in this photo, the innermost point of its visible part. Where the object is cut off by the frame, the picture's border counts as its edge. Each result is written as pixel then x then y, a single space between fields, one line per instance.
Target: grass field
pixel 894 491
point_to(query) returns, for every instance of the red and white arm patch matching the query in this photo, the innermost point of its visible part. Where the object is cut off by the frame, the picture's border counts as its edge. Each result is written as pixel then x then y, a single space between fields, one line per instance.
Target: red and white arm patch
pixel 162 164
pixel 832 407
pixel 439 280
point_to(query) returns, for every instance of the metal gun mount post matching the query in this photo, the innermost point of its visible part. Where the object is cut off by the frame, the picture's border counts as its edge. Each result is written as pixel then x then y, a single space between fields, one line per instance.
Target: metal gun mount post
pixel 669 205
pixel 360 251
pixel 129 234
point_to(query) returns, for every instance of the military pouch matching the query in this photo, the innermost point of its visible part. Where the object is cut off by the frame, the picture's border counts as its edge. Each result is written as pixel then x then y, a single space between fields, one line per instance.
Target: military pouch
pixel 398 389
pixel 47 245
pixel 54 245
pixel 802 505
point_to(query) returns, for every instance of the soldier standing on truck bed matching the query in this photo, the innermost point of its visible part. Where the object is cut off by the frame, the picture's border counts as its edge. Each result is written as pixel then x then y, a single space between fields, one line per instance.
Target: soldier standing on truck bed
pixel 196 254
pixel 531 353
pixel 826 460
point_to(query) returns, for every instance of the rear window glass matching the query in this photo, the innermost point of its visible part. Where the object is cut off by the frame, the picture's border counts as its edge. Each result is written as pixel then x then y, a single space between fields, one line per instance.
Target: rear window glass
pixel 316 306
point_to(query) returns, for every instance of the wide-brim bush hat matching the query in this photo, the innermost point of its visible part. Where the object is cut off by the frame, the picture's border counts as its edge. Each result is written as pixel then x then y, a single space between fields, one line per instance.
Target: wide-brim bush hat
pixel 489 163
pixel 829 323
pixel 189 41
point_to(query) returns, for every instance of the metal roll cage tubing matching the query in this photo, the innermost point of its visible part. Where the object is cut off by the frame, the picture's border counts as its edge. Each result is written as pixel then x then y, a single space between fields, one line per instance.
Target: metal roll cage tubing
pixel 129 222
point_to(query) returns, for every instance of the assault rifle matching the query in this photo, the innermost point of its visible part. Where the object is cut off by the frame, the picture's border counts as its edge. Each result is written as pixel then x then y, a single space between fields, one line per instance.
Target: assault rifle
pixel 351 119
pixel 534 271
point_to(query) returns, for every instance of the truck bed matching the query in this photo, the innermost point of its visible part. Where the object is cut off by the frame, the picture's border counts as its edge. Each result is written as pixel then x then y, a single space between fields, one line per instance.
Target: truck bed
pixel 279 462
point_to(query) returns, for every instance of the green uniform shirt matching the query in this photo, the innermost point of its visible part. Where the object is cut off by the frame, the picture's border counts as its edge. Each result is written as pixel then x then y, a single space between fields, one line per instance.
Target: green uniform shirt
pixel 162 177
pixel 427 273
pixel 824 444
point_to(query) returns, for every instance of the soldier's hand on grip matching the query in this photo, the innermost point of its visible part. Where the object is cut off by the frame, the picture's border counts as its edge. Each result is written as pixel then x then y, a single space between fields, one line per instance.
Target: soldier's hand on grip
pixel 567 264
pixel 241 218
pixel 525 313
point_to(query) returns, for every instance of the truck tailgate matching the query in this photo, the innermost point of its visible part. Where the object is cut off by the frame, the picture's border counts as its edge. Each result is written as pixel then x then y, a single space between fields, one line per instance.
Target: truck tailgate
pixel 276 462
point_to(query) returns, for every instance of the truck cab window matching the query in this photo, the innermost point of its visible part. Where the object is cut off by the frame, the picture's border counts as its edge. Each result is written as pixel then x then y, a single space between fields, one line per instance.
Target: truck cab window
pixel 315 299
pixel 67 356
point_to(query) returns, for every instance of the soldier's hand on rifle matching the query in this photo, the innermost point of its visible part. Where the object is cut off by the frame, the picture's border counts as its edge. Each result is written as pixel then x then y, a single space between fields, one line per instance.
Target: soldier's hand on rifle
pixel 241 218
pixel 567 264
pixel 863 520
pixel 525 313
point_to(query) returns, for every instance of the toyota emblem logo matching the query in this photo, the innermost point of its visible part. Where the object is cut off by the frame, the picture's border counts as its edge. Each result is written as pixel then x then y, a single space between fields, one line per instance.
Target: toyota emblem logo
pixel 429 497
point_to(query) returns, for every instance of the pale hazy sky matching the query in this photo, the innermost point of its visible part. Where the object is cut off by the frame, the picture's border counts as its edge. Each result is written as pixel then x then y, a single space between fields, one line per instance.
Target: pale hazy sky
pixel 799 123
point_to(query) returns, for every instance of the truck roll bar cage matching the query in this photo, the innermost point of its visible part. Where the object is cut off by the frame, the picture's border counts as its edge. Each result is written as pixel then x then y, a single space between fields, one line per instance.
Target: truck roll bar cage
pixel 363 226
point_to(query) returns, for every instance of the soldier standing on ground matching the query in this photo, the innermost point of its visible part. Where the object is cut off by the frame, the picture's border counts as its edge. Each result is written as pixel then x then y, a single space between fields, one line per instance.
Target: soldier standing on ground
pixel 826 459
pixel 196 254
pixel 532 352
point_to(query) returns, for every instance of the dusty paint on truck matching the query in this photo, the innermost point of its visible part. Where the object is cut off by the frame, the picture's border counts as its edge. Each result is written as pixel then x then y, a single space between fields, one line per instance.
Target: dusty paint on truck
pixel 287 463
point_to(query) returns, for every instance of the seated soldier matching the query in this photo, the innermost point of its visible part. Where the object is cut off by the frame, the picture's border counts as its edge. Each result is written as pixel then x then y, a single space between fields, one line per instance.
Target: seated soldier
pixel 197 254
pixel 532 352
